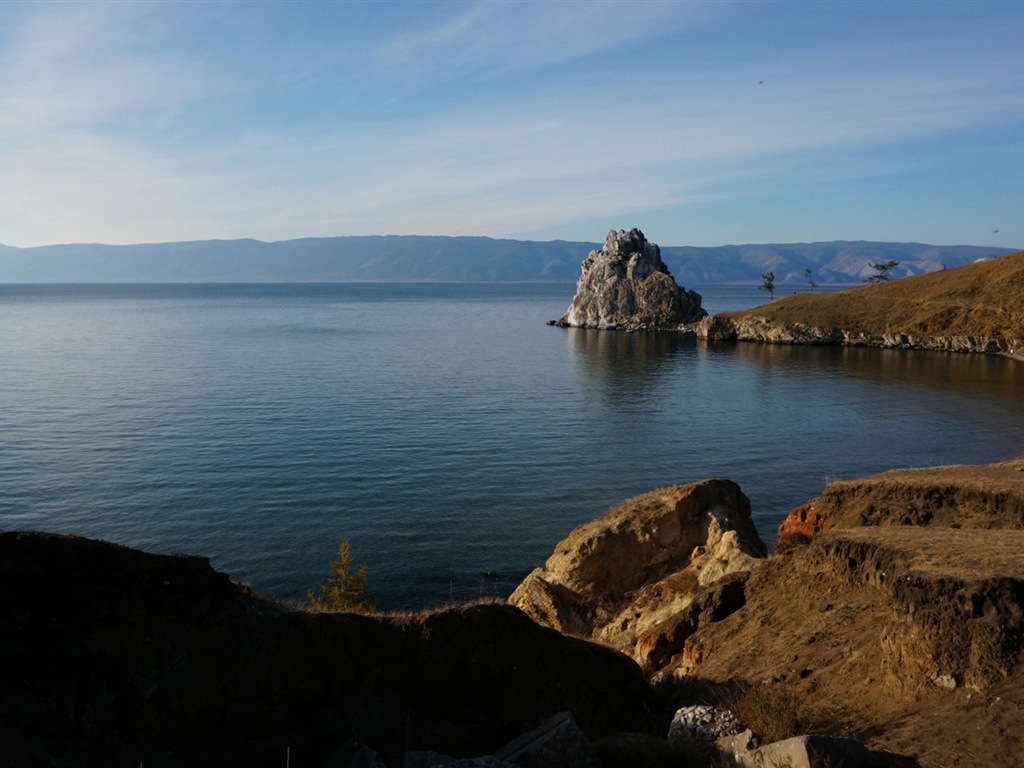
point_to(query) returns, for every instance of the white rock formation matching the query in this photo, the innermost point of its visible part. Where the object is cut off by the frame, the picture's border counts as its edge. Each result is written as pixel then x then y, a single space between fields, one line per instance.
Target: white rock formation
pixel 626 285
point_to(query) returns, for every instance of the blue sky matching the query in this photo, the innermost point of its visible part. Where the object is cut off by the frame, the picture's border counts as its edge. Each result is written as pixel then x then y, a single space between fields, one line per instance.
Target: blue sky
pixel 703 123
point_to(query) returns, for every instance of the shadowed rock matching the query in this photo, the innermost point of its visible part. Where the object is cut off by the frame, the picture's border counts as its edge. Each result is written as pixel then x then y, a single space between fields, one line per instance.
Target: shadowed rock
pixel 112 656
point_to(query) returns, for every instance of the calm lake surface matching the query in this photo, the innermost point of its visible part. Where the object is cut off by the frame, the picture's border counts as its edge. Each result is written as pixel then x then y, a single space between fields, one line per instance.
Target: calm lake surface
pixel 445 430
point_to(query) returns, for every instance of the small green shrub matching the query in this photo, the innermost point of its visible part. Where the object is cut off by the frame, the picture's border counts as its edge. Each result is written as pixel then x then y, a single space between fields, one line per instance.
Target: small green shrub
pixel 345 587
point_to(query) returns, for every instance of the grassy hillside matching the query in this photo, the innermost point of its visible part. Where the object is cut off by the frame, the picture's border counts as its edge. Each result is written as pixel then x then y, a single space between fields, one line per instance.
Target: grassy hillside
pixel 981 299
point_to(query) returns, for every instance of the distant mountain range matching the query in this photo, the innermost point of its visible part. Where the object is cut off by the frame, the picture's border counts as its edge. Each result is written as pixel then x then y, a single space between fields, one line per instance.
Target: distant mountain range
pixel 394 258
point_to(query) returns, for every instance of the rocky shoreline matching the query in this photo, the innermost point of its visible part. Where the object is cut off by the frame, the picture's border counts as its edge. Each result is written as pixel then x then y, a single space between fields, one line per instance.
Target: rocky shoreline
pixel 887 629
pixel 753 328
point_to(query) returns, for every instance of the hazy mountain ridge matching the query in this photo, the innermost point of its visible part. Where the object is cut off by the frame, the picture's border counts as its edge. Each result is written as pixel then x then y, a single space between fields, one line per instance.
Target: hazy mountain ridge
pixel 395 258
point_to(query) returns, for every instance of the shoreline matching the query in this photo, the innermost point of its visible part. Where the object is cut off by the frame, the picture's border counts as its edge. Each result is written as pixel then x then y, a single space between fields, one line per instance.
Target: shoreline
pixel 747 326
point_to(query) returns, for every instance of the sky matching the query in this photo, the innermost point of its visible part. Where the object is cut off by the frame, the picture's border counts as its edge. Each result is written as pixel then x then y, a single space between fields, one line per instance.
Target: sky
pixel 702 123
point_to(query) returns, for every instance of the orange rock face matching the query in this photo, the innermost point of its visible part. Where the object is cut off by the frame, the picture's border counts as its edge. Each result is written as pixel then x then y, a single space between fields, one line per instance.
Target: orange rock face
pixel 805 520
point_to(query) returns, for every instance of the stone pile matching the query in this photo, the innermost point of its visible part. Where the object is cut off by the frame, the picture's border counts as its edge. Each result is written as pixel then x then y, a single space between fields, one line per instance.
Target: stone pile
pixel 703 723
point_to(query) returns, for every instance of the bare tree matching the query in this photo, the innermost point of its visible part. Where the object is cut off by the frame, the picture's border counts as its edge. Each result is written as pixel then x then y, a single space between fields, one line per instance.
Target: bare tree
pixel 881 271
pixel 807 273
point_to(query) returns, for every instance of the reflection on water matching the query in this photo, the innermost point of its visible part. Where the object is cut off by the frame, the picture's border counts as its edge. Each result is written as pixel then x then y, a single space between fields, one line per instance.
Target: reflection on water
pixel 972 374
pixel 615 364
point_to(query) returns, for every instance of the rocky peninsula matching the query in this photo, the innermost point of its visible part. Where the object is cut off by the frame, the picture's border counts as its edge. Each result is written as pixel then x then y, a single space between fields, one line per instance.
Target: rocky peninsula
pixel 625 285
pixel 975 308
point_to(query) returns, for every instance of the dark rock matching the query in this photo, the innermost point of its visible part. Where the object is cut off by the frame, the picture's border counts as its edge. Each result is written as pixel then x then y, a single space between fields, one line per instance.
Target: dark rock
pixel 115 656
pixel 641 750
pixel 436 760
pixel 355 755
pixel 819 752
pixel 556 743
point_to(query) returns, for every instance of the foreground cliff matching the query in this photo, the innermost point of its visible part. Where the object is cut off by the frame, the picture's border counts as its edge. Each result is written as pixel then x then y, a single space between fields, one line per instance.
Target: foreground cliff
pixel 894 608
pixel 974 308
pixel 625 285
pixel 113 656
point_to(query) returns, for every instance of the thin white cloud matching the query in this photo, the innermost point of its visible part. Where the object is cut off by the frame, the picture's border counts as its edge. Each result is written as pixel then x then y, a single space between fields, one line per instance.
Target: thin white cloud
pixel 490 39
pixel 70 68
pixel 492 126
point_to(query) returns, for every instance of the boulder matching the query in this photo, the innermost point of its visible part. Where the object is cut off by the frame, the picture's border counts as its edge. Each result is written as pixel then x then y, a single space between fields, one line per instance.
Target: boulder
pixel 641 577
pixel 818 752
pixel 626 285
pixel 556 743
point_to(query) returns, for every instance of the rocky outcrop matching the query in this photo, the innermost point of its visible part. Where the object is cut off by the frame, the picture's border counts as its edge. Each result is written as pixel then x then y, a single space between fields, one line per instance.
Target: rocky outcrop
pixel 644 575
pixel 901 610
pixel 753 328
pixel 804 521
pixel 900 615
pixel 814 751
pixel 112 656
pixel 557 741
pixel 626 285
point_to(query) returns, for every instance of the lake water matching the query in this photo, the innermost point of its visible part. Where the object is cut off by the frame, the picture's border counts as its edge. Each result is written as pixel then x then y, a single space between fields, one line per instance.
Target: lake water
pixel 448 433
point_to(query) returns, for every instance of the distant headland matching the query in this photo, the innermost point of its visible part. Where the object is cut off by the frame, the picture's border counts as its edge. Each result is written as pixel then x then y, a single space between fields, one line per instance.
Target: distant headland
pixel 975 308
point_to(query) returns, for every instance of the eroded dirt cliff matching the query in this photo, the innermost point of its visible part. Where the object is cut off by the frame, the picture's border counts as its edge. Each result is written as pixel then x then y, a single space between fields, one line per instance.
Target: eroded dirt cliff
pixel 896 605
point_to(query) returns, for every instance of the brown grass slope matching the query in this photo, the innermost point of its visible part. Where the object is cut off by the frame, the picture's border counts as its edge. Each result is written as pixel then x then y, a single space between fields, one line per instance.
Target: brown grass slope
pixel 908 638
pixel 981 299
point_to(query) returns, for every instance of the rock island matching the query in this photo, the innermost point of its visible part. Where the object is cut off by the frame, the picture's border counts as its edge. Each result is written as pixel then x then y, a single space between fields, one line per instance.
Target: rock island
pixel 625 285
